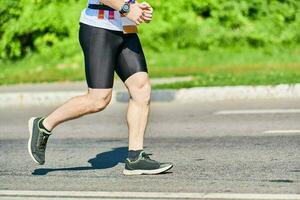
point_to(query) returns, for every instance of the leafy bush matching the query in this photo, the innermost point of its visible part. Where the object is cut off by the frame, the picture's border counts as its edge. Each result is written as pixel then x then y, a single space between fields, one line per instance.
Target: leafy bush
pixel 210 24
pixel 37 26
pixel 32 25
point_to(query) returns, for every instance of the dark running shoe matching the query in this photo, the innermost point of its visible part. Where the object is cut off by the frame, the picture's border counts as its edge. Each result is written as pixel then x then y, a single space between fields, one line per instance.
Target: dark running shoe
pixel 144 165
pixel 37 140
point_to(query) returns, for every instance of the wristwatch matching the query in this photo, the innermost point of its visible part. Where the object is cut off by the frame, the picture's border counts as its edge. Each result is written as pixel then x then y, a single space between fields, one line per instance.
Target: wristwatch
pixel 125 9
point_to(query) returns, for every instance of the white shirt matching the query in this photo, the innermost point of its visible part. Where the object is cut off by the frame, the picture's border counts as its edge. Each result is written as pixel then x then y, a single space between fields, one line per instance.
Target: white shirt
pixel 90 17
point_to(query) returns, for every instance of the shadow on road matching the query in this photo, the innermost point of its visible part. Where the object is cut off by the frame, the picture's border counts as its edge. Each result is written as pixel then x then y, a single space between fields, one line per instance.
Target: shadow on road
pixel 103 160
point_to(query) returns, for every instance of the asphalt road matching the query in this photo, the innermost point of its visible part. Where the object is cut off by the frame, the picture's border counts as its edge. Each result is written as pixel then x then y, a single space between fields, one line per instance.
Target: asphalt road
pixel 254 151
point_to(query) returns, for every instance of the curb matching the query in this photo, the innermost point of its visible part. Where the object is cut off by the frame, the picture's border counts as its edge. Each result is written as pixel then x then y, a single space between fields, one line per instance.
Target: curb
pixel 239 92
pixel 205 94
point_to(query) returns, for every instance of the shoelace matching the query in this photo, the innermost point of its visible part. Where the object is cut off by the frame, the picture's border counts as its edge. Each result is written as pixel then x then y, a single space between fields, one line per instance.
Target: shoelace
pixel 146 156
pixel 42 142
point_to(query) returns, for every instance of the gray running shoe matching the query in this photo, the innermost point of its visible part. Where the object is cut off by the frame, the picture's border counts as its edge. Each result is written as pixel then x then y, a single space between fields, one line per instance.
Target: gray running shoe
pixel 144 165
pixel 37 140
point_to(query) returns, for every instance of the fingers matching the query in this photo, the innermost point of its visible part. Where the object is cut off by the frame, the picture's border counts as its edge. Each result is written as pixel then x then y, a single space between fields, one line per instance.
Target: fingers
pixel 147 15
pixel 147 11
pixel 140 20
pixel 147 18
pixel 135 14
pixel 146 7
pixel 140 13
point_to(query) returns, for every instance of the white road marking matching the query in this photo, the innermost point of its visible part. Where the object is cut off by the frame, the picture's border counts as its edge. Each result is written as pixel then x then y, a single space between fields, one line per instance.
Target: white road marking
pixel 281 131
pixel 257 111
pixel 10 194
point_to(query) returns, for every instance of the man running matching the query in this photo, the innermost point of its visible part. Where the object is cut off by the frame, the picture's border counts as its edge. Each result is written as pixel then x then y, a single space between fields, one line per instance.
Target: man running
pixel 106 49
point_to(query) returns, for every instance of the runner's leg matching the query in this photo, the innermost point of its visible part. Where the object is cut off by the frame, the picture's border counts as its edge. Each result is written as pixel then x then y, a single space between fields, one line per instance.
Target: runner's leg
pixel 132 69
pixel 94 101
pixel 100 47
pixel 138 108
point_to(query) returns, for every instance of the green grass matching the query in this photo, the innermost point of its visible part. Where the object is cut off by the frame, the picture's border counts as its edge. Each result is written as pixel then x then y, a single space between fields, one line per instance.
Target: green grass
pixel 216 67
pixel 231 79
pixel 233 67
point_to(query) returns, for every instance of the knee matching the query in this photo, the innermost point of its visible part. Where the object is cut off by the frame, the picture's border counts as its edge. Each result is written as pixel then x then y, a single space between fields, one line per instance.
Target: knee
pixel 140 92
pixel 98 102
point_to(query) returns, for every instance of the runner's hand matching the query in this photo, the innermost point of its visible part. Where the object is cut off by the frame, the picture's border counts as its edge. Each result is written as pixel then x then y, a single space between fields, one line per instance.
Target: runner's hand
pixel 136 14
pixel 147 11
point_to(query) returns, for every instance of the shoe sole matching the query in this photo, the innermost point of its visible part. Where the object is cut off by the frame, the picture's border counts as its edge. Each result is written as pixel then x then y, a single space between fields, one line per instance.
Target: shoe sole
pixel 146 172
pixel 30 126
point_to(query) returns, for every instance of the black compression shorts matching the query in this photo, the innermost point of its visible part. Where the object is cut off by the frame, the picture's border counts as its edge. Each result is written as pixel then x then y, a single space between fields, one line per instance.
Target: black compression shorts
pixel 106 51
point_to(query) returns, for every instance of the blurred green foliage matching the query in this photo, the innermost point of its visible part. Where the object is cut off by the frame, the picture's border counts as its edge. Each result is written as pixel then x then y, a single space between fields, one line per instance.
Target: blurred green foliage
pixel 28 26
pixel 35 25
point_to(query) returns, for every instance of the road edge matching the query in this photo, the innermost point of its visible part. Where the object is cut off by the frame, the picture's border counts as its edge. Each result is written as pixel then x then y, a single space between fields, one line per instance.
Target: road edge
pixel 15 194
